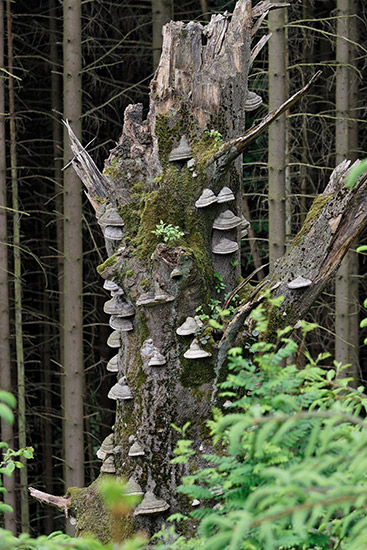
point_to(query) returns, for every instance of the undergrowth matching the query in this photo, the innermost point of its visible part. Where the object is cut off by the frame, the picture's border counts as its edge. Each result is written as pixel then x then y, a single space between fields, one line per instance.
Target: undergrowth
pixel 291 448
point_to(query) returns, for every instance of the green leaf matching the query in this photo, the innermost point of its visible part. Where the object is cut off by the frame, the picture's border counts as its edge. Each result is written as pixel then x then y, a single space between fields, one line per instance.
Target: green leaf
pixel 355 173
pixel 8 398
pixel 6 413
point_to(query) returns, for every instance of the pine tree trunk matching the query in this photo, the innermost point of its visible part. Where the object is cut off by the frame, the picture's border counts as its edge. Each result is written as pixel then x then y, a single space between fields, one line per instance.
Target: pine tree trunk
pixel 73 311
pixel 22 431
pixel 277 137
pixel 345 306
pixel 5 366
pixel 162 12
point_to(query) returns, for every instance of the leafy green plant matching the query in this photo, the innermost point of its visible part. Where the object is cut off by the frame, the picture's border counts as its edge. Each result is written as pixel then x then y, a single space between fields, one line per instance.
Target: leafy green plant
pixel 218 283
pixel 217 136
pixel 289 471
pixel 169 232
pixel 10 458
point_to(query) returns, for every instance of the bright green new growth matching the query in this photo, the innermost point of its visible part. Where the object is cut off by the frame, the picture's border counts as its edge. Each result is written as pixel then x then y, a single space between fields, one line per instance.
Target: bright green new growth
pixel 289 468
pixel 10 458
pixel 169 232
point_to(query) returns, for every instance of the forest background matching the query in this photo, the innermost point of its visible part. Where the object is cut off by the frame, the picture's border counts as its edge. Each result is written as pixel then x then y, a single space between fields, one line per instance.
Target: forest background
pixel 119 50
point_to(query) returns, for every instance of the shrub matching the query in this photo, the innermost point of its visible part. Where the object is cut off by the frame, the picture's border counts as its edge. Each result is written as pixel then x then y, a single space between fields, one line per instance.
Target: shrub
pixel 289 471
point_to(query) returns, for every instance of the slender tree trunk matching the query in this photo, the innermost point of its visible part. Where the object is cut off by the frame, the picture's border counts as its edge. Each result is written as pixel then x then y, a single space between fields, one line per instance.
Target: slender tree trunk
pixel 57 138
pixel 22 439
pixel 353 155
pixel 343 292
pixel 162 12
pixel 277 137
pixel 73 311
pixel 5 365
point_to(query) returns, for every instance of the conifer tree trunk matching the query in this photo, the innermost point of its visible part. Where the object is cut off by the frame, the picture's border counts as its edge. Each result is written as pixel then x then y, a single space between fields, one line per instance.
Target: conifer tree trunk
pixel 162 12
pixel 5 365
pixel 22 438
pixel 73 311
pixel 277 137
pixel 345 306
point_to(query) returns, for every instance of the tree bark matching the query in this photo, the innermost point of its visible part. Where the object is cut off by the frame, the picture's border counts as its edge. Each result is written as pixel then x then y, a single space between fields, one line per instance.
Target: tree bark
pixel 22 431
pixel 277 137
pixel 73 269
pixel 5 365
pixel 199 92
pixel 346 309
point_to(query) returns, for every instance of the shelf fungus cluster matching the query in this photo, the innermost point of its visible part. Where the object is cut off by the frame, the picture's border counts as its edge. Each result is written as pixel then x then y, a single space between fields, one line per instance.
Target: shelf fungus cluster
pixel 208 198
pixel 154 297
pixel 151 355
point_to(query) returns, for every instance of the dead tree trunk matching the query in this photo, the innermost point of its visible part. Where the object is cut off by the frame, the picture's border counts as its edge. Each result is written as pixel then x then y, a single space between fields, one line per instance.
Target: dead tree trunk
pixel 161 169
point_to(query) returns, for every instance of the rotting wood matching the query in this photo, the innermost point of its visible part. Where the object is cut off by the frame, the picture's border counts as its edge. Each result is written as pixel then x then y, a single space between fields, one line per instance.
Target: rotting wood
pixel 60 502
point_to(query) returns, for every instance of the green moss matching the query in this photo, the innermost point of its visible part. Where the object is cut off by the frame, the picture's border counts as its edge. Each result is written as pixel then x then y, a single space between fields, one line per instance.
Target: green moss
pixel 315 210
pixel 93 517
pixel 145 284
pixel 108 263
pixel 196 372
pixel 112 172
pixel 170 202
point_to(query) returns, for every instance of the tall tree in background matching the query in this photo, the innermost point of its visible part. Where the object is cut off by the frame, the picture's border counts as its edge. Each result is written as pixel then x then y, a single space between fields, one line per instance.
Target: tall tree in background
pixel 22 430
pixel 277 136
pixel 5 366
pixel 345 306
pixel 162 12
pixel 73 267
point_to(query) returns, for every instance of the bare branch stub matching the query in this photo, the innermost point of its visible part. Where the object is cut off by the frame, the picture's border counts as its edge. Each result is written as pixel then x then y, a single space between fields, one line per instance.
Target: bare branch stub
pixel 52 500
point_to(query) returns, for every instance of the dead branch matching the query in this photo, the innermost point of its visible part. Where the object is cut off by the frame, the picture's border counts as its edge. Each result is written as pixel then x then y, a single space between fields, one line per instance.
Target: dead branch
pixel 235 147
pixel 59 502
pixel 87 170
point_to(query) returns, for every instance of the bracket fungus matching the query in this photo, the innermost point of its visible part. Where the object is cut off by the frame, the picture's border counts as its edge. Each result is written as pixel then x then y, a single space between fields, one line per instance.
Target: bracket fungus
pixel 106 447
pixel 111 217
pixel 147 349
pixel 136 449
pixel 226 221
pixel 176 273
pixel 120 323
pixel 196 352
pixel 181 152
pixel 110 285
pixel 113 233
pixel 113 364
pixel 132 487
pixel 108 466
pixel 206 198
pixel 157 360
pixel 225 195
pixel 188 327
pixel 120 391
pixel 253 101
pixel 154 298
pixel 225 246
pixel 151 505
pixel 116 306
pixel 299 282
pixel 114 339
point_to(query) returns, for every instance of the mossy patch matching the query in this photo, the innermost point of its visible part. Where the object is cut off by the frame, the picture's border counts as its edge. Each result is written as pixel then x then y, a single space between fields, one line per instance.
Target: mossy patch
pixel 196 372
pixel 173 203
pixel 93 517
pixel 315 210
pixel 112 260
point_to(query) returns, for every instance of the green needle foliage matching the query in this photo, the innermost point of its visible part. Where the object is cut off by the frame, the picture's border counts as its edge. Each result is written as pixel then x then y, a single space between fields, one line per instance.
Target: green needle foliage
pixel 289 471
